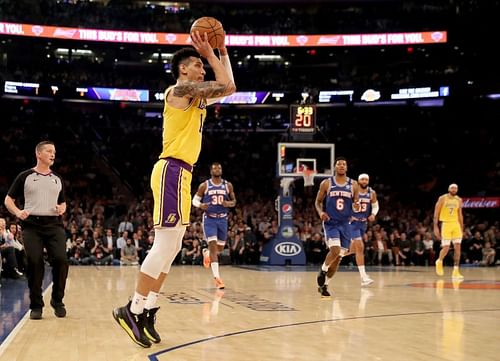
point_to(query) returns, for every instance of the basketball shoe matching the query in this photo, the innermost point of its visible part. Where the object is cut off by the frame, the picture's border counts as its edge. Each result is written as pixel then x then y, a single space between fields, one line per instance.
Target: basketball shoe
pixel 132 324
pixel 439 268
pixel 218 283
pixel 321 278
pixel 323 290
pixel 366 281
pixel 149 327
pixel 456 274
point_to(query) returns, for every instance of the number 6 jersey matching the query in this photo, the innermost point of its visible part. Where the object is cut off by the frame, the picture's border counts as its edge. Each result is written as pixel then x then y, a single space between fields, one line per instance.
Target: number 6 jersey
pixel 339 201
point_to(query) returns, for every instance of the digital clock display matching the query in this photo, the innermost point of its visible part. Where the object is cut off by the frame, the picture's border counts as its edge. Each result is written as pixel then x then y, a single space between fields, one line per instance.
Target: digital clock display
pixel 303 118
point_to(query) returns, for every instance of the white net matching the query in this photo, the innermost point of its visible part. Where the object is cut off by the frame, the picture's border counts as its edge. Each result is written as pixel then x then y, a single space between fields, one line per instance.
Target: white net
pixel 308 176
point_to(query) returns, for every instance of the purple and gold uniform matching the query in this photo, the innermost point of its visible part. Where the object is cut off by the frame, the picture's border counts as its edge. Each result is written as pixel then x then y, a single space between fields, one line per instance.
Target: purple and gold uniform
pixel 171 175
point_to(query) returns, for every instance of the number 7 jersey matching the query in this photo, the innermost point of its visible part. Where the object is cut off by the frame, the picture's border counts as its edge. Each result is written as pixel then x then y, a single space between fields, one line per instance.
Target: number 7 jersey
pixel 339 201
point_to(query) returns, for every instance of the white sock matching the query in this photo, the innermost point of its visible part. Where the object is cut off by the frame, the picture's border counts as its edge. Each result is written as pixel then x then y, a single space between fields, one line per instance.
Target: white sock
pixel 455 268
pixel 324 267
pixel 362 272
pixel 151 301
pixel 215 269
pixel 138 303
pixel 327 280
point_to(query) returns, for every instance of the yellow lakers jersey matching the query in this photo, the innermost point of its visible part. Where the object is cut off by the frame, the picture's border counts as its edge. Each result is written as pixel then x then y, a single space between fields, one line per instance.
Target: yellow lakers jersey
pixel 182 130
pixel 449 210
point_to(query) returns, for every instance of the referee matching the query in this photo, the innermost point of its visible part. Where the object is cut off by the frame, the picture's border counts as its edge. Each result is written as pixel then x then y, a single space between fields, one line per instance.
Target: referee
pixel 39 193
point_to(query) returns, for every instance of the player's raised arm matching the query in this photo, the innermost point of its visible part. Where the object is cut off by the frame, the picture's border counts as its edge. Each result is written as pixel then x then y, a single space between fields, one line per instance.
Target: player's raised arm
pixel 223 84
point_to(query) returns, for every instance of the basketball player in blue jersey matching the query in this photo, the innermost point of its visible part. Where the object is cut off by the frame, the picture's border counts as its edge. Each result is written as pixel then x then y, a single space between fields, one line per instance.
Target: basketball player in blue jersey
pixel 183 117
pixel 368 209
pixel 215 196
pixel 341 195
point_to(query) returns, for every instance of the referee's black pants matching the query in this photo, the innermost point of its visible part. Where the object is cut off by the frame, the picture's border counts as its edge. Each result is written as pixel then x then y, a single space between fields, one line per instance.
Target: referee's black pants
pixel 48 232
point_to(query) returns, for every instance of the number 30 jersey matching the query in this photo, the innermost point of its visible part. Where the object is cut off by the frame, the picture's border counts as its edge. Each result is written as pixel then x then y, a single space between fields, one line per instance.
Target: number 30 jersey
pixel 214 195
pixel 339 201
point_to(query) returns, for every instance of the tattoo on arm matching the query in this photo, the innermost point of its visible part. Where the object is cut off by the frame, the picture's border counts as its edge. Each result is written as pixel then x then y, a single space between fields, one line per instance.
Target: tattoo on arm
pixel 206 89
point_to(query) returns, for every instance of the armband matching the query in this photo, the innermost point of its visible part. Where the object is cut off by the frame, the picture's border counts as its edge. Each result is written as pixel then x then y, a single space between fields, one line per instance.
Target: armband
pixel 375 208
pixel 197 201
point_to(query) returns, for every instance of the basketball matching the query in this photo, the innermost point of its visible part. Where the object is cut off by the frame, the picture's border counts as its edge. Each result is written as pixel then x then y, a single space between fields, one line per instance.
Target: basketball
pixel 212 27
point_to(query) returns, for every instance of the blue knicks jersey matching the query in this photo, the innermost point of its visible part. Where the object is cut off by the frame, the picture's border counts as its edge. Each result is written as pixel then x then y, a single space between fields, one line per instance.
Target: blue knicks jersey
pixel 339 201
pixel 365 207
pixel 214 195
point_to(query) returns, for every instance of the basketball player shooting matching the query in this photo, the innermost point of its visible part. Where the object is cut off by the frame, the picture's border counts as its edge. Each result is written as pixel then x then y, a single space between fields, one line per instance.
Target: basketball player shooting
pixel 183 117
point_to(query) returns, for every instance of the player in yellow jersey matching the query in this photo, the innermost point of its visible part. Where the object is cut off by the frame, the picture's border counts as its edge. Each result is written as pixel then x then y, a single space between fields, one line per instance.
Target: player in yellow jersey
pixel 448 213
pixel 183 118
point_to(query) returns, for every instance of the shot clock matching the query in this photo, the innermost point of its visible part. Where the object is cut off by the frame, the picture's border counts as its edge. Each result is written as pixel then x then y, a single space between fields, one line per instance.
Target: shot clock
pixel 303 118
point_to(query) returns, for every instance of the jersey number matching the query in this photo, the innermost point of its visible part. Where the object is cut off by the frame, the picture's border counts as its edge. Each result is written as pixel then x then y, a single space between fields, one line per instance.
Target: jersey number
pixel 339 204
pixel 217 199
pixel 364 207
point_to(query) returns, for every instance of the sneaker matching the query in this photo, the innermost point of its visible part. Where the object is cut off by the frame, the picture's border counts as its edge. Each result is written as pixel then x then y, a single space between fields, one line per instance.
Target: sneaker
pixel 323 290
pixel 321 278
pixel 439 268
pixel 456 275
pixel 36 314
pixel 366 282
pixel 218 283
pixel 132 324
pixel 59 308
pixel 149 328
pixel 206 258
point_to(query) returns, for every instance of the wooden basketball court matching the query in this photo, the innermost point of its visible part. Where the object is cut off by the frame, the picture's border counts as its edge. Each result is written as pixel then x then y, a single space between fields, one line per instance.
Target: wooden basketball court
pixel 274 314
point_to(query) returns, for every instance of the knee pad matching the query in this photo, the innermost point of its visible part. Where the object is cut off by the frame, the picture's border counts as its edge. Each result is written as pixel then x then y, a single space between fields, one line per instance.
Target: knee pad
pixel 166 245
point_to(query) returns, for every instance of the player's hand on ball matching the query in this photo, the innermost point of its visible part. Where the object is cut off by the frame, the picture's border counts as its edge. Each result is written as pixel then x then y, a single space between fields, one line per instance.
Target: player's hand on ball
pixel 201 44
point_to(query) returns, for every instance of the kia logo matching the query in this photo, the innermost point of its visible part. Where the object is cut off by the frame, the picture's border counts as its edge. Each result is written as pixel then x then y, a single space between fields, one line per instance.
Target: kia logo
pixel 287 249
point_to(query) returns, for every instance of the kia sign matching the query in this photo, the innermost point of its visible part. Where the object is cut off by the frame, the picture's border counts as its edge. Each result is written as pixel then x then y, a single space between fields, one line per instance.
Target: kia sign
pixel 138 37
pixel 481 202
pixel 287 249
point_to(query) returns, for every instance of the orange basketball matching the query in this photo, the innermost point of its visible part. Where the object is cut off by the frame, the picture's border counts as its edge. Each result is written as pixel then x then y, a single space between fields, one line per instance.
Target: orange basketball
pixel 212 27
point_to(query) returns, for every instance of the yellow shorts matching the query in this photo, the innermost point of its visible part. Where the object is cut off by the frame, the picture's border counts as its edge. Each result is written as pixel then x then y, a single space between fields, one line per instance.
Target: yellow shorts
pixel 450 232
pixel 171 186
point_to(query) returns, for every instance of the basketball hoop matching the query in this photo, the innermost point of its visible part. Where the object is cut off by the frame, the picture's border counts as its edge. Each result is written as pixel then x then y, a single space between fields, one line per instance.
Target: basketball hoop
pixel 308 176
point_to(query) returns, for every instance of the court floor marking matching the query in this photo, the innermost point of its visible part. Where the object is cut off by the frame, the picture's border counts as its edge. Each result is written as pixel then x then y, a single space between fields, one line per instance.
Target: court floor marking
pixel 20 324
pixel 154 356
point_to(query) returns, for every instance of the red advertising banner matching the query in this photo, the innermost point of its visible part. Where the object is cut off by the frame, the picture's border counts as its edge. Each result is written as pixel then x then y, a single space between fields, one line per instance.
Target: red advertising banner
pixel 481 202
pixel 135 37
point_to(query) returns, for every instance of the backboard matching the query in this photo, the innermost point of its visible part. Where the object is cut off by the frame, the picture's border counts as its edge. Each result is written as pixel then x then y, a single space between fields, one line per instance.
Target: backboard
pixel 294 157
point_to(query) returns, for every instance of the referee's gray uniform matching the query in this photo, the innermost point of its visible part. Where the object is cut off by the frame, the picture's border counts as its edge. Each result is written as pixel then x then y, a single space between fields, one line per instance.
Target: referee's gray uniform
pixel 40 193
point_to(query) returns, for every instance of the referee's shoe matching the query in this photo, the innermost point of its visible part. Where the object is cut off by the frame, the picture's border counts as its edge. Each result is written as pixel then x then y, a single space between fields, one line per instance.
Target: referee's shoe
pixel 132 324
